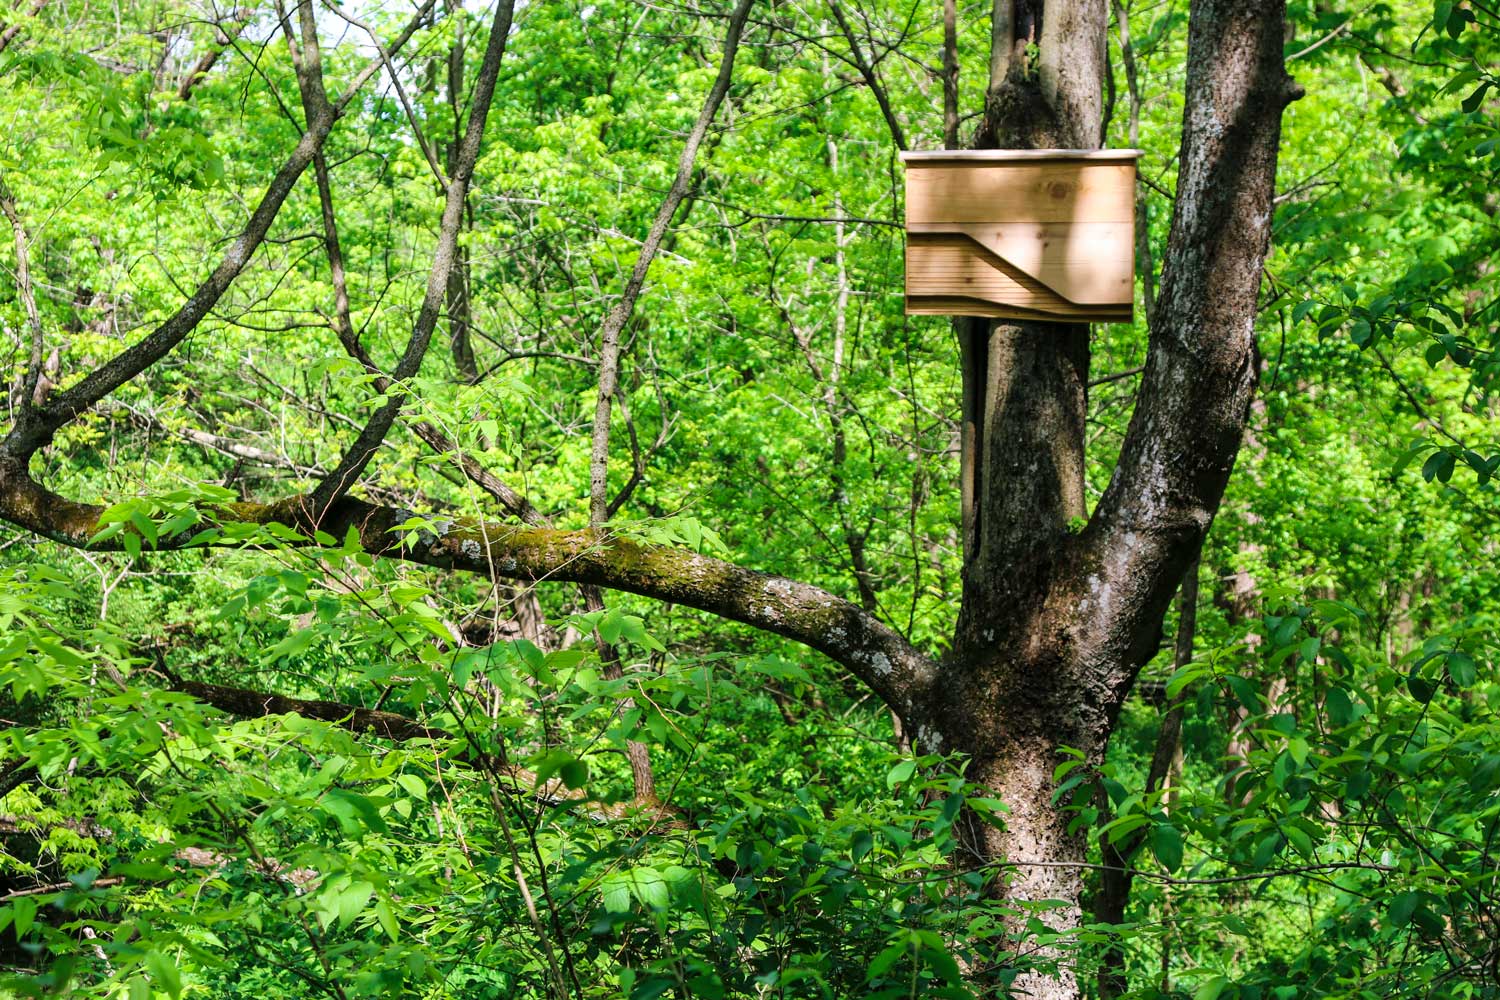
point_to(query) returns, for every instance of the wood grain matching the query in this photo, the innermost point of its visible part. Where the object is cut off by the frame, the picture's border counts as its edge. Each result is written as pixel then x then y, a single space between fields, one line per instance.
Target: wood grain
pixel 1024 238
pixel 1087 263
pixel 1025 191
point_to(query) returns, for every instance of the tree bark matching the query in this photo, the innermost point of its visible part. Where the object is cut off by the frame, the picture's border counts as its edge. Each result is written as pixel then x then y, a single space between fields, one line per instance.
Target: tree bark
pixel 1060 613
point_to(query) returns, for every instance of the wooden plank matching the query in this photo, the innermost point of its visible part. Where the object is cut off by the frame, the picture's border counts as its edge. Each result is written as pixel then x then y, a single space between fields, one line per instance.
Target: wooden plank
pixel 933 305
pixel 952 264
pixel 1011 155
pixel 1088 263
pixel 1024 191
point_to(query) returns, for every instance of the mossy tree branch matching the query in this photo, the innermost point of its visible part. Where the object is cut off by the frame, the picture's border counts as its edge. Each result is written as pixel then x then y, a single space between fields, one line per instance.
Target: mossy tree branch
pixel 881 658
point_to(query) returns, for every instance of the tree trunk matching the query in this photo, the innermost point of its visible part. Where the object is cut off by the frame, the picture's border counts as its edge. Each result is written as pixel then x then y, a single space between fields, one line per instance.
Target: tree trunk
pixel 1060 609
pixel 1039 879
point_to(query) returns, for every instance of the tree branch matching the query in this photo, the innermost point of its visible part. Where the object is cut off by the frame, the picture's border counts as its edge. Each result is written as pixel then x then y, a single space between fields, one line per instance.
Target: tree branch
pixel 867 70
pixel 358 455
pixel 1200 367
pixel 34 430
pixel 30 398
pixel 609 334
pixel 877 655
pixel 240 19
pixel 8 33
pixel 249 704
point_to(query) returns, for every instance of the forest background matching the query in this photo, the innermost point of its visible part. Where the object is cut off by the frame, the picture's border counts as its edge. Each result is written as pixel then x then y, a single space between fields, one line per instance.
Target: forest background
pixel 257 761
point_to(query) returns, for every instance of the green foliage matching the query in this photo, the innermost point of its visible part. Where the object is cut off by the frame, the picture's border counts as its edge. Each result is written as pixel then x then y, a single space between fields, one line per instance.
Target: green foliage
pixel 1331 833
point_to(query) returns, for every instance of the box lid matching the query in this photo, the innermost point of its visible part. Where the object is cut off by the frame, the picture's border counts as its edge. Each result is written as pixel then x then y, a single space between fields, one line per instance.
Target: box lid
pixel 1003 155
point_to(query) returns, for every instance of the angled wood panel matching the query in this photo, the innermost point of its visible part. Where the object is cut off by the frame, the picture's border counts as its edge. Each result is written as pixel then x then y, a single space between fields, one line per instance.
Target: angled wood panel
pixel 1034 234
pixel 949 274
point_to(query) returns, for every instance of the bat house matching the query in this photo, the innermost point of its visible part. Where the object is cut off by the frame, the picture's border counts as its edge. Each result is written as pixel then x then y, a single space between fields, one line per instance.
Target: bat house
pixel 1044 234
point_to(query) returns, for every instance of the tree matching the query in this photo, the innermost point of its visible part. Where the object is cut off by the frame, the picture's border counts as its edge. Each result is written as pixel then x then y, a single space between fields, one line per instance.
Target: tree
pixel 1061 605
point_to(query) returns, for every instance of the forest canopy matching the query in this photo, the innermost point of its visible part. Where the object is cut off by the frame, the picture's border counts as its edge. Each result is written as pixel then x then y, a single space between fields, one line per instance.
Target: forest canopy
pixel 477 519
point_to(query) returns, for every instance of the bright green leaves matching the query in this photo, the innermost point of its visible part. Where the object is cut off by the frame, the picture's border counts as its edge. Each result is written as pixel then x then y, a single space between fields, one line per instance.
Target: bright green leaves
pixel 900 773
pixel 1455 658
pixel 164 973
pixel 569 769
pixel 916 956
pixel 150 519
pixel 616 626
pixel 1421 911
pixel 681 531
pixel 22 913
pixel 646 885
pixel 1166 844
pixel 342 900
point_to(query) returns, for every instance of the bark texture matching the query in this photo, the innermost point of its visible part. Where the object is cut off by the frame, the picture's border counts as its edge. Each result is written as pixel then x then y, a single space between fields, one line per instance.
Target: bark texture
pixel 1057 621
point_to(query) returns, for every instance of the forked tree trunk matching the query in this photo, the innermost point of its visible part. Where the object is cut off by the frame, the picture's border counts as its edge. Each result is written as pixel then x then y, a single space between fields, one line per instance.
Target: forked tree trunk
pixel 1059 613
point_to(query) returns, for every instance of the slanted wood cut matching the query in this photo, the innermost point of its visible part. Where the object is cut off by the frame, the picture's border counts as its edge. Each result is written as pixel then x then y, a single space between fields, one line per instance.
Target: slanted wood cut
pixel 1021 234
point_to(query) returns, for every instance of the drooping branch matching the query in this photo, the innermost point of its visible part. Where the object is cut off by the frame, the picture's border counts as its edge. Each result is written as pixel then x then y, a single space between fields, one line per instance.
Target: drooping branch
pixel 880 657
pixel 867 70
pixel 1200 367
pixel 224 34
pixel 249 704
pixel 358 455
pixel 614 323
pixel 36 428
pixel 8 33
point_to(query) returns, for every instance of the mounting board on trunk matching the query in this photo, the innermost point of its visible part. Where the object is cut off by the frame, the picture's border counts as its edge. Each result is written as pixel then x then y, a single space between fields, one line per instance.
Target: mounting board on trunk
pixel 1042 234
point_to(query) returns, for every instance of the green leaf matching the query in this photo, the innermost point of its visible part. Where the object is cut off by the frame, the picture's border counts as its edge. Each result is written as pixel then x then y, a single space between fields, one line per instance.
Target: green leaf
pixel 939 961
pixel 901 772
pixel 860 844
pixel 1462 669
pixel 24 909
pixel 1339 707
pixel 609 626
pixel 551 763
pixel 1298 839
pixel 387 918
pixel 1486 774
pixel 615 894
pixel 1420 688
pixel 1210 988
pixel 886 960
pixel 1402 907
pixel 1439 466
pixel 351 901
pixel 354 811
pixel 574 774
pixel 1166 844
pixel 650 888
pixel 164 972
